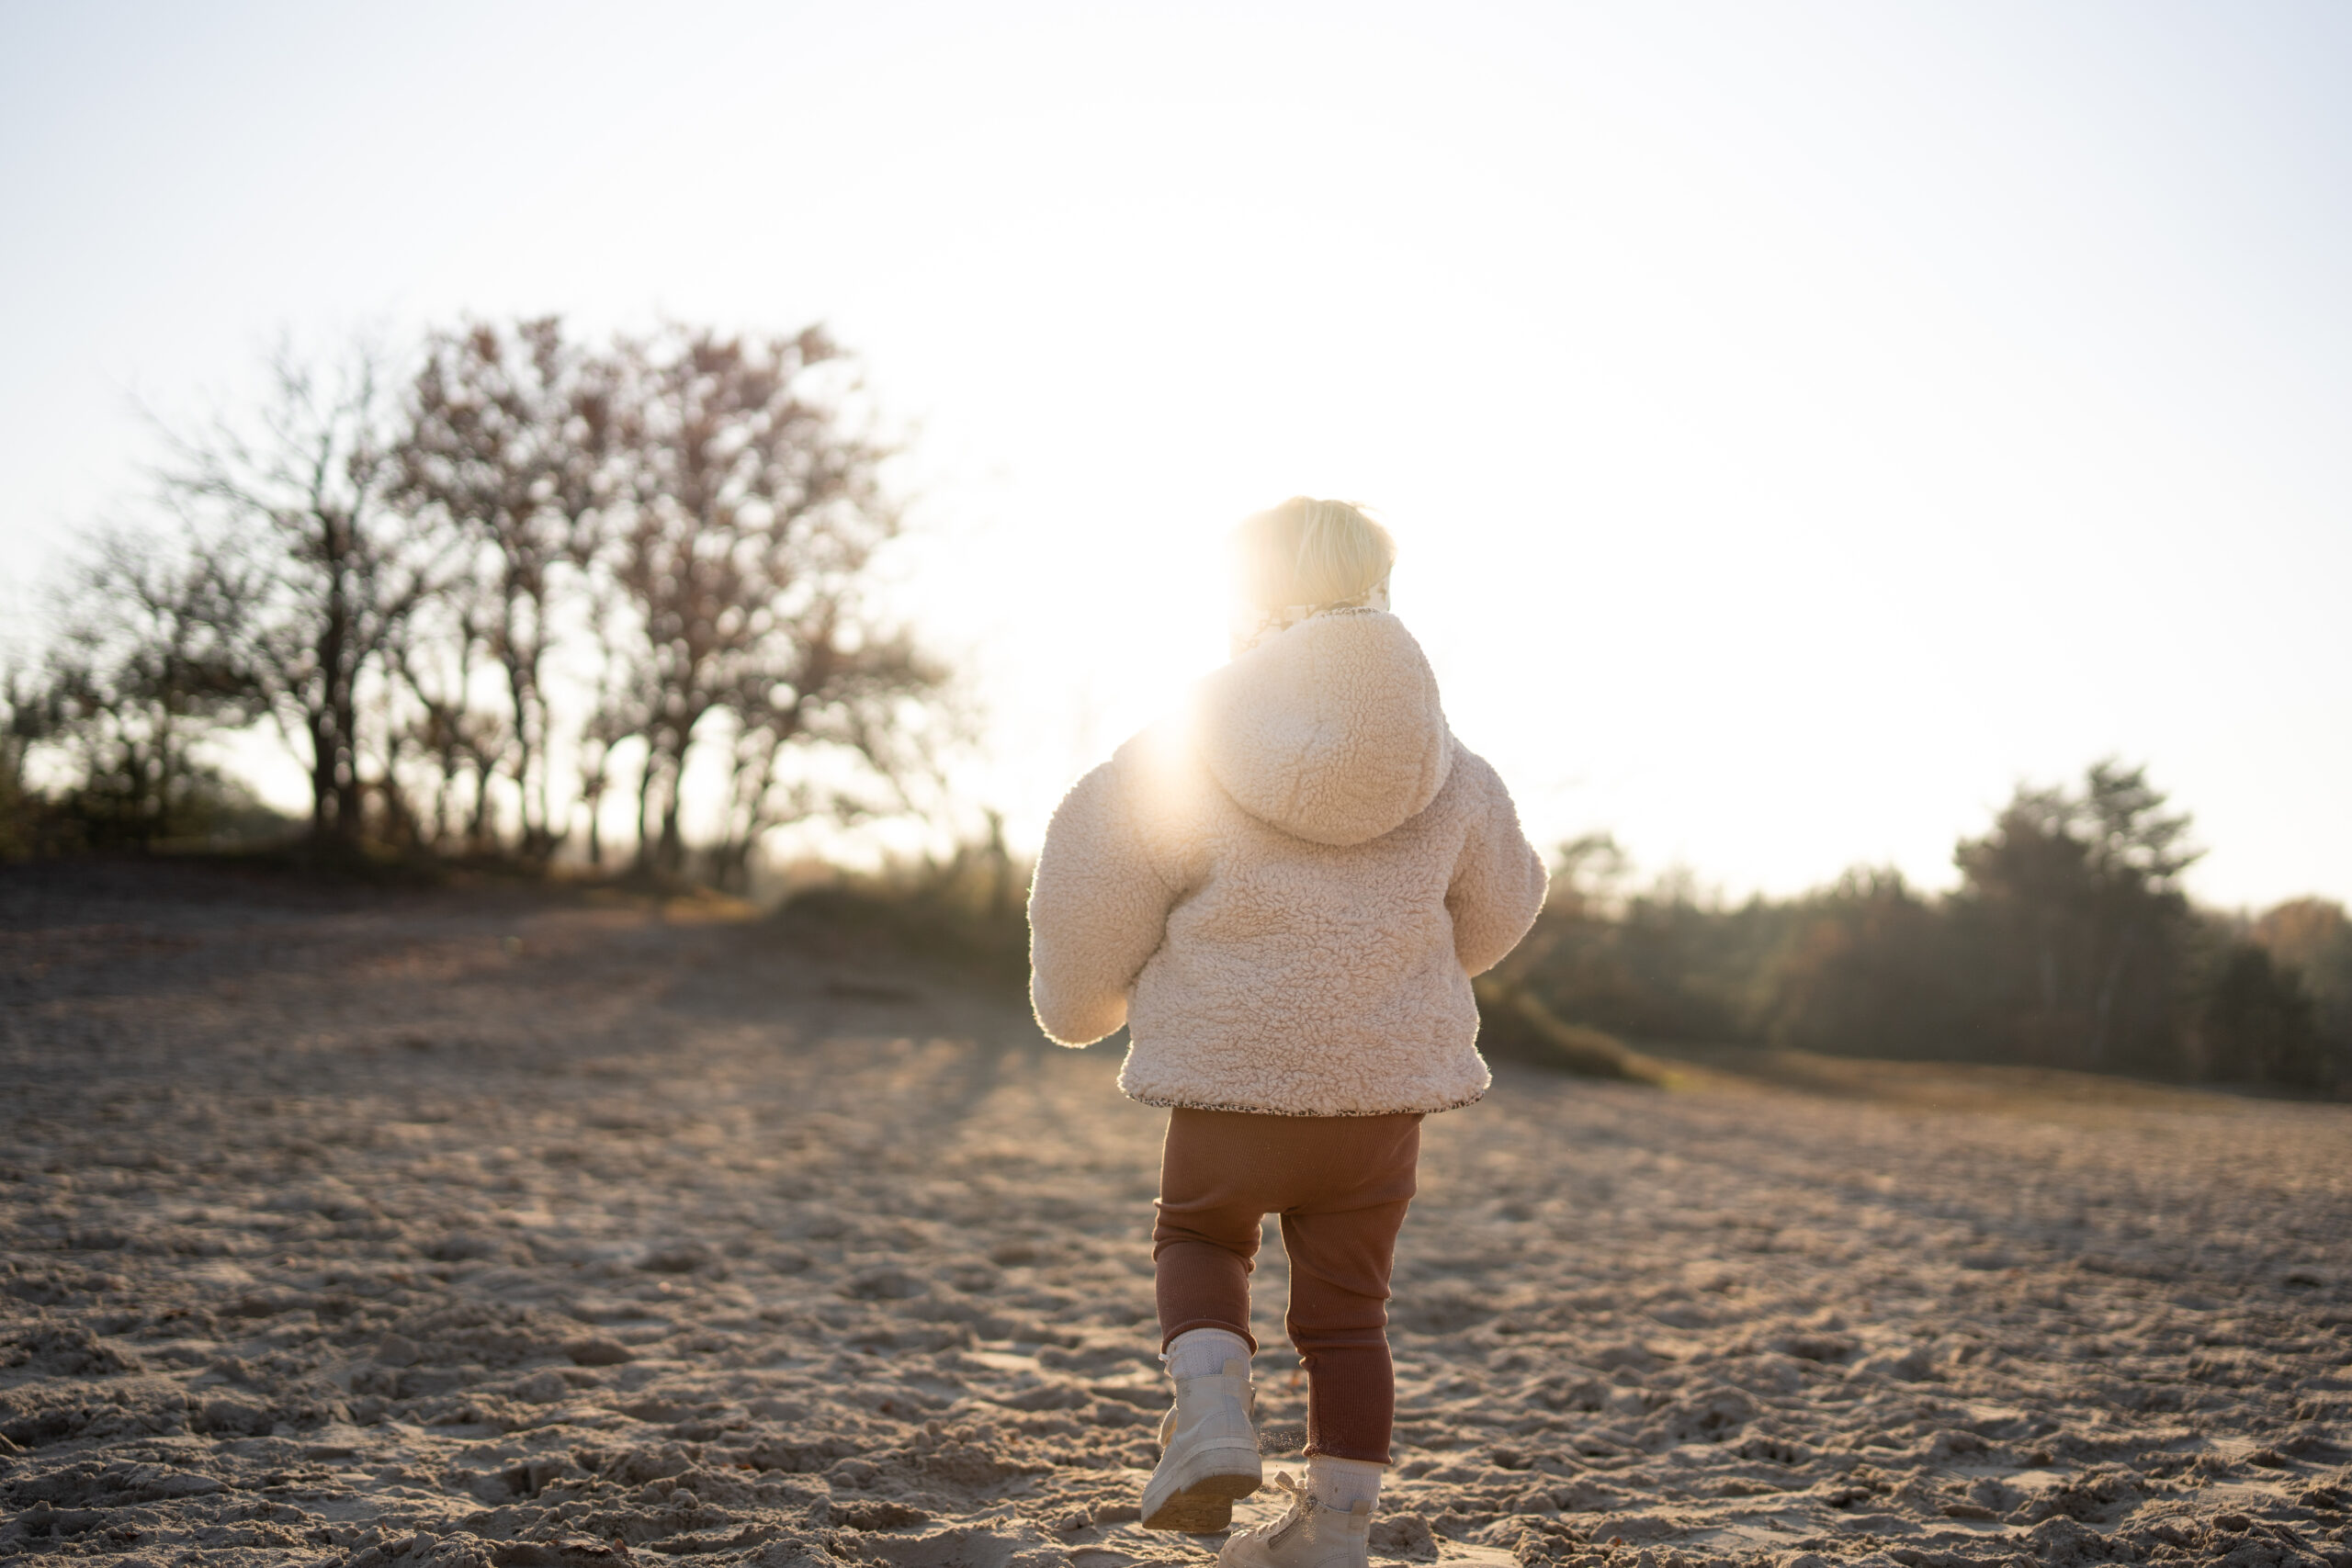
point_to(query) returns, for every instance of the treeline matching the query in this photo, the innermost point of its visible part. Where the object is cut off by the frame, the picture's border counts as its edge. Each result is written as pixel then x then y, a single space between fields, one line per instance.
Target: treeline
pixel 530 574
pixel 481 596
pixel 2067 943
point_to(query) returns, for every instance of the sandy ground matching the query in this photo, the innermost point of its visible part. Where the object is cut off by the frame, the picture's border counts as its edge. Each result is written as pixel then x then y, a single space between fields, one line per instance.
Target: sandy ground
pixel 465 1228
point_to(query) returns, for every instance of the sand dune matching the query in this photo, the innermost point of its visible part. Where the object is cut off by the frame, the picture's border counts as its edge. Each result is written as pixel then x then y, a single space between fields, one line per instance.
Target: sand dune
pixel 490 1229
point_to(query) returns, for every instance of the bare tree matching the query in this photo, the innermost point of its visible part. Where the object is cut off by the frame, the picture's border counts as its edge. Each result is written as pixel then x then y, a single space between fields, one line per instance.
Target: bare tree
pixel 752 519
pixel 508 448
pixel 682 531
pixel 300 511
pixel 617 703
pixel 434 654
pixel 145 669
pixel 856 694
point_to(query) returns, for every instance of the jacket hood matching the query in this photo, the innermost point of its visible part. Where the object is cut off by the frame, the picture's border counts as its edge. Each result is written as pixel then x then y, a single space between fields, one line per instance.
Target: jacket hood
pixel 1331 731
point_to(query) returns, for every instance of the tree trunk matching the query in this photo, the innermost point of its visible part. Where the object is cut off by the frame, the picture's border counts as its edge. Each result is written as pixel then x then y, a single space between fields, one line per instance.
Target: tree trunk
pixel 541 838
pixel 644 804
pixel 334 768
pixel 2103 1010
pixel 350 794
pixel 522 667
pixel 593 789
pixel 1001 891
pixel 161 818
pixel 673 843
pixel 322 778
pixel 479 839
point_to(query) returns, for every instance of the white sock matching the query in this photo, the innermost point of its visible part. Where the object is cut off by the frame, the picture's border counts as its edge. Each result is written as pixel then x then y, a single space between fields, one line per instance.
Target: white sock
pixel 1202 1352
pixel 1342 1483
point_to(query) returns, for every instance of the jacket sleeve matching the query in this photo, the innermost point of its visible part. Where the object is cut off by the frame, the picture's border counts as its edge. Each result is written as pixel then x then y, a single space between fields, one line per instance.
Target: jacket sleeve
pixel 1498 882
pixel 1098 909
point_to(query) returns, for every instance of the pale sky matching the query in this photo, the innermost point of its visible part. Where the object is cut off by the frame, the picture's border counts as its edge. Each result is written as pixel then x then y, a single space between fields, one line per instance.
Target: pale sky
pixel 1802 421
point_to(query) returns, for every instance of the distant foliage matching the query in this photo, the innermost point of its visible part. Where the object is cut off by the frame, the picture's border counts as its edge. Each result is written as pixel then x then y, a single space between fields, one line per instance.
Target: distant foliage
pixel 1650 965
pixel 2078 930
pixel 2257 1024
pixel 1870 967
pixel 2314 937
pixel 2068 943
pixel 2311 939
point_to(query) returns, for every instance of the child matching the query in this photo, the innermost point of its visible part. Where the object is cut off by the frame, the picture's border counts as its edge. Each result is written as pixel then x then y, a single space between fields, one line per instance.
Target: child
pixel 1284 893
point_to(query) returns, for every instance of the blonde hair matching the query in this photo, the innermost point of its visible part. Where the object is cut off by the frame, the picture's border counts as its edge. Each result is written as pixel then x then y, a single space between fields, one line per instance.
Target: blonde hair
pixel 1310 552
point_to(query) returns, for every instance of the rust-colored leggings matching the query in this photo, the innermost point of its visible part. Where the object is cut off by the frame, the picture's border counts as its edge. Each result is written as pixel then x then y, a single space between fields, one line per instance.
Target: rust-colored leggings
pixel 1341 1185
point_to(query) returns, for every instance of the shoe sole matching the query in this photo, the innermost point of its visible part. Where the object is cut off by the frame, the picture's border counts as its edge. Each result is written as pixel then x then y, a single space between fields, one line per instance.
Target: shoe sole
pixel 1203 1507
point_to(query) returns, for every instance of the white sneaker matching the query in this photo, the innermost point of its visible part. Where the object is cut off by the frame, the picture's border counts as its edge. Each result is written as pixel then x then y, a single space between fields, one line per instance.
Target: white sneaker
pixel 1311 1534
pixel 1208 1453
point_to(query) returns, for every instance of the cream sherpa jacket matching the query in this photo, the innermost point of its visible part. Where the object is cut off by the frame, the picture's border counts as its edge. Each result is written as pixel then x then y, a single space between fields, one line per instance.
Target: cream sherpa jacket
pixel 1284 891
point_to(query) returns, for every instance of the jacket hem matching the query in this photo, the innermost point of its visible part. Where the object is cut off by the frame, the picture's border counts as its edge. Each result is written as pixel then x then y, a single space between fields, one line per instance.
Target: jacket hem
pixel 1170 1104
